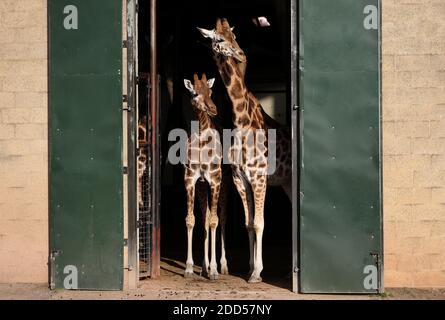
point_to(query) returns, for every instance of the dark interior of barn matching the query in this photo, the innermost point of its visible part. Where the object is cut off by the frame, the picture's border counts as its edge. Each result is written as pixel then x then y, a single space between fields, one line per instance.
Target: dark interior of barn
pixel 262 31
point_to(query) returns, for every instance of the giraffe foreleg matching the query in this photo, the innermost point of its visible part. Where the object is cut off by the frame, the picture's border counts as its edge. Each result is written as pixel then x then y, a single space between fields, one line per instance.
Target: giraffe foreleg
pixel 190 223
pixel 259 191
pixel 215 185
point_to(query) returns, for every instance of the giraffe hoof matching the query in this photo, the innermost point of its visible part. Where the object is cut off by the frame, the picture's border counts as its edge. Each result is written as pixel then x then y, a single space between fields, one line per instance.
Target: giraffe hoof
pixel 189 271
pixel 255 279
pixel 214 276
pixel 204 273
pixel 224 270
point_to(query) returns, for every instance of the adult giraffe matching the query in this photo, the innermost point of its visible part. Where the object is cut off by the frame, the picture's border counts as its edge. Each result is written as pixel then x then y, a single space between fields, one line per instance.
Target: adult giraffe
pixel 249 116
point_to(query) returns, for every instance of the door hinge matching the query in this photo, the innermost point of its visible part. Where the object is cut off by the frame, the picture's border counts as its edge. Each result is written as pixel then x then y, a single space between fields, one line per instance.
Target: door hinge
pixel 378 263
pixel 376 257
pixel 125 44
pixel 125 242
pixel 129 268
pixel 125 170
pixel 125 100
pixel 53 268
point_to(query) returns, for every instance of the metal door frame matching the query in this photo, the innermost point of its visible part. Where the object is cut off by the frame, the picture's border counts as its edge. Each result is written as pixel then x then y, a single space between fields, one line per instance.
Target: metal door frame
pixel 153 143
pixel 131 45
pixel 295 118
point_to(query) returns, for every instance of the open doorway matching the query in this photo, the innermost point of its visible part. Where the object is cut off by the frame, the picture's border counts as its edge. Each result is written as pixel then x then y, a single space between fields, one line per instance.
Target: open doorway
pixel 263 32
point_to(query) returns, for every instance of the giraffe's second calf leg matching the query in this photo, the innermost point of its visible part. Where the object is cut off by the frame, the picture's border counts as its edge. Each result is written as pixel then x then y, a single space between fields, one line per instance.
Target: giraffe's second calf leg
pixel 205 261
pixel 223 261
pixel 213 274
pixel 223 218
pixel 201 189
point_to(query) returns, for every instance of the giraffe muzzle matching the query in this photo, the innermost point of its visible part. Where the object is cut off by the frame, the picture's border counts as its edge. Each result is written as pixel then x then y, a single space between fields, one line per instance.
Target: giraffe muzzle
pixel 211 112
pixel 240 57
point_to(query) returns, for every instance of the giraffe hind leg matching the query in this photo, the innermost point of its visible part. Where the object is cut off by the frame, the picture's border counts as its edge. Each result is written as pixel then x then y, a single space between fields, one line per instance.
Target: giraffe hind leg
pixel 190 181
pixel 202 194
pixel 245 192
pixel 215 190
pixel 223 196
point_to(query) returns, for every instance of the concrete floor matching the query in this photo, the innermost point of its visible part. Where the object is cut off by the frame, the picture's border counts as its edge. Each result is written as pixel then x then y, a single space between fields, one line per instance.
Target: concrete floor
pixel 172 285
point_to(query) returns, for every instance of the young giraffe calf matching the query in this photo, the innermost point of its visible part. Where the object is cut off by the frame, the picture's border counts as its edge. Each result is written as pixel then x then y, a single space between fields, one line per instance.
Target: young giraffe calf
pixel 204 163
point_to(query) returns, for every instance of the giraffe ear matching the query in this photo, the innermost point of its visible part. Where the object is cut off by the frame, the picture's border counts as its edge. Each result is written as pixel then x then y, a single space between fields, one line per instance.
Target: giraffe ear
pixel 207 33
pixel 188 84
pixel 210 82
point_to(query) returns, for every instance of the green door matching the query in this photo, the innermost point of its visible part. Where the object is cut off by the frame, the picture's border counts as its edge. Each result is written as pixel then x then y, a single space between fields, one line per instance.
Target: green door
pixel 340 198
pixel 85 150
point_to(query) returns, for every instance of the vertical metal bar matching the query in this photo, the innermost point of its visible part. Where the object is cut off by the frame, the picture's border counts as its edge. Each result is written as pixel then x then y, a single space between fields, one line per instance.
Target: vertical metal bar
pixel 156 255
pixel 133 260
pixel 382 257
pixel 51 270
pixel 294 21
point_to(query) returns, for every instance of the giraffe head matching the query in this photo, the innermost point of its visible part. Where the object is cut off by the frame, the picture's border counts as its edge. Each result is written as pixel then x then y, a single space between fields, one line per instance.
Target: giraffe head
pixel 224 41
pixel 201 93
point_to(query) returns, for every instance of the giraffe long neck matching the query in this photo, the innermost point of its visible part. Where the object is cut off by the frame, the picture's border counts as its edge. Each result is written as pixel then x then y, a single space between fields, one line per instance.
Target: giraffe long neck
pixel 205 122
pixel 246 109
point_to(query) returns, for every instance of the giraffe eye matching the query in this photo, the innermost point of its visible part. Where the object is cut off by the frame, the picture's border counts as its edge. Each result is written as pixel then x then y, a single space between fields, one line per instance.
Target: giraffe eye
pixel 219 39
